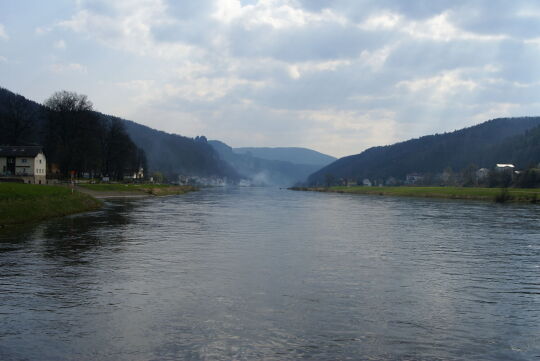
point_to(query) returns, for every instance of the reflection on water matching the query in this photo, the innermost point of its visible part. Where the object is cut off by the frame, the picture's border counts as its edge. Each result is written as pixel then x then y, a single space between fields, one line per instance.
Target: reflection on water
pixel 245 274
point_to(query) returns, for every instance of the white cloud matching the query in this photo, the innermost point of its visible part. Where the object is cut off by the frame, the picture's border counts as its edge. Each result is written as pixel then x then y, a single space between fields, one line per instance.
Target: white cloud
pixel 440 28
pixel 335 76
pixel 383 21
pixel 439 85
pixel 277 14
pixel 3 59
pixel 3 33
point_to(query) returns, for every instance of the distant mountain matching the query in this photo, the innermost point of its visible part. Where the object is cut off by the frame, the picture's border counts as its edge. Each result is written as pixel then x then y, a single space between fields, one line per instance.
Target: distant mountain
pixel 169 153
pixel 292 155
pixel 264 171
pixel 495 141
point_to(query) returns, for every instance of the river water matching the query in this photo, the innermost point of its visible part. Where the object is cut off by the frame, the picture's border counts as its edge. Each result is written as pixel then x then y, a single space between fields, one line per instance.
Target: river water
pixel 269 274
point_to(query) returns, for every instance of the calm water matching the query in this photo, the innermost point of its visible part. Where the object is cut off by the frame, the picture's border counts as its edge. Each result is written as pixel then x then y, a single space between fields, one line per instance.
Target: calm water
pixel 268 274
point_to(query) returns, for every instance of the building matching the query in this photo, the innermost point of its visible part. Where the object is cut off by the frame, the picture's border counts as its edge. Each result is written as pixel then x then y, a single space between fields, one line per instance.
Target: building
pixel 23 163
pixel 413 178
pixel 504 167
pixel 482 174
pixel 138 175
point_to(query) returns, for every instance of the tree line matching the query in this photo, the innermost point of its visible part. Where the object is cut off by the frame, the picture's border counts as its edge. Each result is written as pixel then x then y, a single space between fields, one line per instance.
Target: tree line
pixel 76 140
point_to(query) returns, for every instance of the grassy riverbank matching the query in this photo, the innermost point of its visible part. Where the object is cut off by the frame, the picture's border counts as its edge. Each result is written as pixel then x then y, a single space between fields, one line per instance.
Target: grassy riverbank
pixel 142 189
pixel 25 203
pixel 486 194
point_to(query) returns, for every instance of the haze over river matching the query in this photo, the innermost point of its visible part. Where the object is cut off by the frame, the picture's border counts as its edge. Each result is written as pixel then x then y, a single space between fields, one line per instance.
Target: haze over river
pixel 269 274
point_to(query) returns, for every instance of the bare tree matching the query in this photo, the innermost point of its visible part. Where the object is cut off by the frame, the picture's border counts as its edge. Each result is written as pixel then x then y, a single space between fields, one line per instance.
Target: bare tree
pixel 64 101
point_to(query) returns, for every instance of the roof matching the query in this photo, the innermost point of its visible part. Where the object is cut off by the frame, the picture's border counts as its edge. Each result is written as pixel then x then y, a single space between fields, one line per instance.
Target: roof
pixel 505 166
pixel 20 151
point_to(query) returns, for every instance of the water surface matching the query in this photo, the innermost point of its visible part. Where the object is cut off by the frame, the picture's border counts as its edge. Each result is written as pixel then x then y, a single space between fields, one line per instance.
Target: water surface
pixel 269 274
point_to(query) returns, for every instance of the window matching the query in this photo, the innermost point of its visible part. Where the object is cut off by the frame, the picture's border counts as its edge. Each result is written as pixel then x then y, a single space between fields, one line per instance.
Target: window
pixel 40 161
pixel 24 160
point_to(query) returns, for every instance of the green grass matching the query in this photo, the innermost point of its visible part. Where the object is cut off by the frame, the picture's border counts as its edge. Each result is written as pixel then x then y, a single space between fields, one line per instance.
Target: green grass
pixel 24 203
pixel 488 194
pixel 153 189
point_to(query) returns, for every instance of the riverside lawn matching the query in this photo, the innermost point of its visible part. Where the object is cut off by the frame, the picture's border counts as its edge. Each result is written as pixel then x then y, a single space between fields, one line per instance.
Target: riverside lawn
pixel 26 203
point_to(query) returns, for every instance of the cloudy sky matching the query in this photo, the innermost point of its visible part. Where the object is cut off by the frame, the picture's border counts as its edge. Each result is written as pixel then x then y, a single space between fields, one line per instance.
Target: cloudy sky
pixel 336 76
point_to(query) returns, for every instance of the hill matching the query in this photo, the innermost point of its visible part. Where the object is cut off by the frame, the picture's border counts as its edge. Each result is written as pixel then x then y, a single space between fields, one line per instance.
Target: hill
pixel 22 121
pixel 484 145
pixel 290 154
pixel 264 171
pixel 174 154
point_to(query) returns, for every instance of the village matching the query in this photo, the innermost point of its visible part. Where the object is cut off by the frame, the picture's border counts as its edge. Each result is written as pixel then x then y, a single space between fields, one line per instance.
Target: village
pixel 501 175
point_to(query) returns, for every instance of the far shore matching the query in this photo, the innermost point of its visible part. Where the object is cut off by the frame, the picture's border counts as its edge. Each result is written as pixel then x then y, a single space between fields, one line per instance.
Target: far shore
pixel 501 195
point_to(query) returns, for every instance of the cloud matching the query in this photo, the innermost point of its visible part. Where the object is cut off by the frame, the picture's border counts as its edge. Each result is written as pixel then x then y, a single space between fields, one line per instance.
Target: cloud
pixel 3 34
pixel 337 76
pixel 3 59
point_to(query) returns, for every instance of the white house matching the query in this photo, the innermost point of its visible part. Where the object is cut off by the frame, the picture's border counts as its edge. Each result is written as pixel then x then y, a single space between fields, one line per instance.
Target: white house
pixel 26 163
pixel 501 167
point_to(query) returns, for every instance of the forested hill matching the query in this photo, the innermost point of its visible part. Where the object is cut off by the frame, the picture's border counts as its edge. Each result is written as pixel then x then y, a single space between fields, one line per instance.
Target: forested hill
pixel 288 154
pixel 264 171
pixel 23 121
pixel 495 141
pixel 175 154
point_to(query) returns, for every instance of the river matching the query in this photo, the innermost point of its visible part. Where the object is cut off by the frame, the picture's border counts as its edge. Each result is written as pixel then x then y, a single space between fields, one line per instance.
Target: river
pixel 270 274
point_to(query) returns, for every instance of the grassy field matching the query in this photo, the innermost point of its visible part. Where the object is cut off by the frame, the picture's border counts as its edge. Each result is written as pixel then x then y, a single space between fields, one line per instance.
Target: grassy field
pixel 487 194
pixel 152 189
pixel 24 203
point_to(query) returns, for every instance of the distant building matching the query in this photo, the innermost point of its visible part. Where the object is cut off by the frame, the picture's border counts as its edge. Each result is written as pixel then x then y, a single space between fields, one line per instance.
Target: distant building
pixel 367 183
pixel 502 167
pixel 413 178
pixel 23 163
pixel 351 182
pixel 482 174
pixel 138 175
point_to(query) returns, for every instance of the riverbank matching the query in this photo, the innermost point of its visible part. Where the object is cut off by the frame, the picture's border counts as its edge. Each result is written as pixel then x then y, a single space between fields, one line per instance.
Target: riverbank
pixel 103 191
pixel 485 194
pixel 26 203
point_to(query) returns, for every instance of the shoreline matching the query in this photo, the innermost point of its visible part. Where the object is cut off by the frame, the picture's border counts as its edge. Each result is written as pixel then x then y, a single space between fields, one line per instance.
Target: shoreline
pixel 499 195
pixel 106 191
pixel 22 204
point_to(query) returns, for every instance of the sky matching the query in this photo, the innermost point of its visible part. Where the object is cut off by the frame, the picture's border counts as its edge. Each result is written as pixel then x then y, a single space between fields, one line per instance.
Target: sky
pixel 336 76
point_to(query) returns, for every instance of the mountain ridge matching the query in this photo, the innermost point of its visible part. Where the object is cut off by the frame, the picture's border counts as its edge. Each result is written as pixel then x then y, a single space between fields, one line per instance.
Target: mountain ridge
pixel 298 155
pixel 481 144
